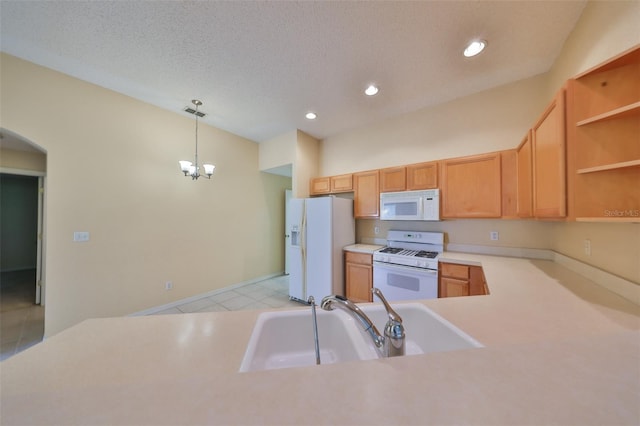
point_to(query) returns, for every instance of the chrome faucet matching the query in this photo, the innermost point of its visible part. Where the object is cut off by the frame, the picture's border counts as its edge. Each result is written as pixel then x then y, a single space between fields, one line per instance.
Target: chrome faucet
pixel 392 343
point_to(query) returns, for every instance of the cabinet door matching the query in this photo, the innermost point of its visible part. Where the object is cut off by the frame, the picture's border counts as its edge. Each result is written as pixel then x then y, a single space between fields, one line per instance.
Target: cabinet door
pixel 477 282
pixel 342 183
pixel 393 179
pixel 454 270
pixel 509 184
pixel 359 279
pixel 452 287
pixel 320 186
pixel 366 202
pixel 471 186
pixel 422 176
pixel 549 162
pixel 524 204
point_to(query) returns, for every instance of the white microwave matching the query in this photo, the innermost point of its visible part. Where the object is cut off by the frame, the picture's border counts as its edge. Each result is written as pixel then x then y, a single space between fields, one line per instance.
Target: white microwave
pixel 410 205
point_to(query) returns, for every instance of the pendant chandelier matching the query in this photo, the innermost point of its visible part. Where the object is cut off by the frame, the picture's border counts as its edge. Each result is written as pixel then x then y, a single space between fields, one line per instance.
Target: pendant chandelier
pixel 187 167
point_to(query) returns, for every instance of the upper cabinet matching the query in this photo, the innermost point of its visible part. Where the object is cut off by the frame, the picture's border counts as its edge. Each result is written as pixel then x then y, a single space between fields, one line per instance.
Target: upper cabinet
pixel 549 161
pixel 604 141
pixel 524 205
pixel 422 176
pixel 321 185
pixel 471 187
pixel 331 185
pixel 366 199
pixel 393 179
pixel 509 177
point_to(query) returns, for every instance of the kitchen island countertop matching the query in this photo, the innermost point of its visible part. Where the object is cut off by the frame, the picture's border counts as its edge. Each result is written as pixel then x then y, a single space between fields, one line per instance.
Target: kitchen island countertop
pixel 558 349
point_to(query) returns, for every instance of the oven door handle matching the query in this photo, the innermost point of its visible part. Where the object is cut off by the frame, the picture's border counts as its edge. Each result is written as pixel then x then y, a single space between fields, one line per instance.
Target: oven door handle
pixel 394 267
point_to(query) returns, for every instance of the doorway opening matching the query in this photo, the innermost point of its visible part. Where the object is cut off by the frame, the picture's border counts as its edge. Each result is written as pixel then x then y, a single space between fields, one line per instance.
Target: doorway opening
pixel 21 310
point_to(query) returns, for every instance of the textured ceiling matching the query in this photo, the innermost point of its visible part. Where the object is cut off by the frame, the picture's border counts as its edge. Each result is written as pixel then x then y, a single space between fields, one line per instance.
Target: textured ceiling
pixel 260 66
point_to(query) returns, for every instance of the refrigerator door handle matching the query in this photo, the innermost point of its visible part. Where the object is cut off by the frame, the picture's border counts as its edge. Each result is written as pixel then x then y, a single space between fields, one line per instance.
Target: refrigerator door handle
pixel 303 249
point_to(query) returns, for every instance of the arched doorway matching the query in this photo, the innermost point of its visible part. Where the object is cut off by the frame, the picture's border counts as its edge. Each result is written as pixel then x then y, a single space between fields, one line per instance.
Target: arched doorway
pixel 22 178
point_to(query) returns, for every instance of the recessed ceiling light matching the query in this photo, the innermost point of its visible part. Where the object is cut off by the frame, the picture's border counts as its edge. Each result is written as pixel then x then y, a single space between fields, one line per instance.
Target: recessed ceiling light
pixel 311 115
pixel 474 48
pixel 371 90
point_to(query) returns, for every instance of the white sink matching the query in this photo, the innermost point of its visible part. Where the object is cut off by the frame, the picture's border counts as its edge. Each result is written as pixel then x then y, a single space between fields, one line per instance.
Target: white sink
pixel 284 339
pixel 425 330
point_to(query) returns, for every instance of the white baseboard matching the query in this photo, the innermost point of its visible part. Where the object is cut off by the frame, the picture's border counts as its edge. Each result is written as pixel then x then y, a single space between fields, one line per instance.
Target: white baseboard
pixel 160 308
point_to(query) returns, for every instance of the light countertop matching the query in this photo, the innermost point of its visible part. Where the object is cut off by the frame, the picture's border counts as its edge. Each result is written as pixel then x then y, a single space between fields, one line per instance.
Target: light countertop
pixel 559 349
pixel 363 248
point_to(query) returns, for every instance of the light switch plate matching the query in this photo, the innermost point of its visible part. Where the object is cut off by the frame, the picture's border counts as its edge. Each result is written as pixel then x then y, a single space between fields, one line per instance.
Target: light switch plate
pixel 80 236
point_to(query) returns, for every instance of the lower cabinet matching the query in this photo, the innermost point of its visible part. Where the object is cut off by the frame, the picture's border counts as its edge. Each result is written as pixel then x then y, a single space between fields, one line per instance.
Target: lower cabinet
pixel 359 276
pixel 461 280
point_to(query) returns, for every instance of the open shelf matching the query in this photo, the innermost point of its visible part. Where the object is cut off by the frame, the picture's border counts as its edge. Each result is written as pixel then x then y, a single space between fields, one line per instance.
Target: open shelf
pixel 621 112
pixel 614 166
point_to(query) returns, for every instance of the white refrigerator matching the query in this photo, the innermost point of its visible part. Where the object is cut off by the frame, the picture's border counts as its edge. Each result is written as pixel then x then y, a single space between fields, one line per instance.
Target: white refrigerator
pixel 320 228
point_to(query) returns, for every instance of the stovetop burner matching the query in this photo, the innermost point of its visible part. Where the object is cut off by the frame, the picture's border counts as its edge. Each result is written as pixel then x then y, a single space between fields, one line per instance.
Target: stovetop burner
pixel 409 253
pixel 391 250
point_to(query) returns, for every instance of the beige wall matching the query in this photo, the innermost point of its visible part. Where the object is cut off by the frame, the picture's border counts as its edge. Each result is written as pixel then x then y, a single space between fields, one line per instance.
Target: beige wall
pixel 23 160
pixel 486 121
pixel 306 165
pixel 279 151
pixel 112 171
pixel 493 120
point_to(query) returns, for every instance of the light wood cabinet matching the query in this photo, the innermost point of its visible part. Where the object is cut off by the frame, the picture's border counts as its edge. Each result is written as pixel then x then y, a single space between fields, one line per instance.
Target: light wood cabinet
pixel 523 163
pixel 341 183
pixel 471 187
pixel 366 200
pixel 359 276
pixel 422 176
pixel 509 186
pixel 603 111
pixel 461 280
pixel 393 179
pixel 321 185
pixel 331 184
pixel 549 161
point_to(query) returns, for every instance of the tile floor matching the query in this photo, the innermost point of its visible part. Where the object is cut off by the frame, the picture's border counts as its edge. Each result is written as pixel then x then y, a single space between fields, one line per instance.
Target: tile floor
pixel 21 321
pixel 267 294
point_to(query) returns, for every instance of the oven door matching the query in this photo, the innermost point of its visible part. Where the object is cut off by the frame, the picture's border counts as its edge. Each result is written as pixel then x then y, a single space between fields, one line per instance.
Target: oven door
pixel 404 282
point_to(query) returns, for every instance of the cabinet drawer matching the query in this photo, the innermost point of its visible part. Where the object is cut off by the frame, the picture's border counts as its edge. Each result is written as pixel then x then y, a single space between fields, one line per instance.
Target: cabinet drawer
pixel 362 258
pixel 454 270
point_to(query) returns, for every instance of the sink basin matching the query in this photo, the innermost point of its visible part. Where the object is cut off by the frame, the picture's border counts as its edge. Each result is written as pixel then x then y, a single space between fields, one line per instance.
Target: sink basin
pixel 284 339
pixel 425 330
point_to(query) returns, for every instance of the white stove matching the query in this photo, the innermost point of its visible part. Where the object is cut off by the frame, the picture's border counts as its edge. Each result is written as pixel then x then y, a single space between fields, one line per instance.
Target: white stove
pixel 411 248
pixel 407 268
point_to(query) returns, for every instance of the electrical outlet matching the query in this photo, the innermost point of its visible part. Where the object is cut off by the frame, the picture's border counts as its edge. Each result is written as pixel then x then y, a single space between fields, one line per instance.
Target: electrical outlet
pixel 587 247
pixel 494 235
pixel 168 285
pixel 376 230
